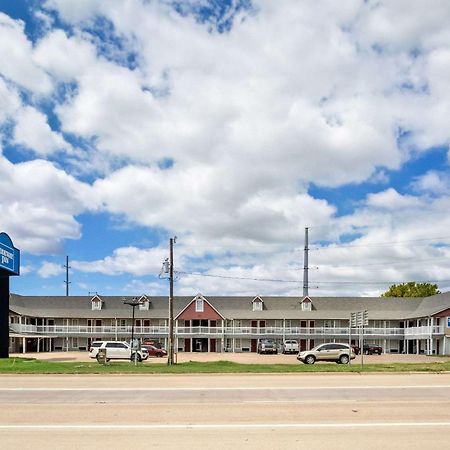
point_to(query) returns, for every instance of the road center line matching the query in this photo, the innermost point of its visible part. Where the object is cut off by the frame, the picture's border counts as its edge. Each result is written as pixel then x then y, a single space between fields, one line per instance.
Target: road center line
pixel 248 388
pixel 207 426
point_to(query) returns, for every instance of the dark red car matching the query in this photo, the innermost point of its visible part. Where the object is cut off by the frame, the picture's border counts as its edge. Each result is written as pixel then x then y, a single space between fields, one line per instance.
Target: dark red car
pixel 154 351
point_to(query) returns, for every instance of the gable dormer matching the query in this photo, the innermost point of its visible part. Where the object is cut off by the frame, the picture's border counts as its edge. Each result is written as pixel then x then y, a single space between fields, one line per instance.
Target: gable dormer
pixel 96 302
pixel 199 303
pixel 199 308
pixel 306 304
pixel 257 304
pixel 144 303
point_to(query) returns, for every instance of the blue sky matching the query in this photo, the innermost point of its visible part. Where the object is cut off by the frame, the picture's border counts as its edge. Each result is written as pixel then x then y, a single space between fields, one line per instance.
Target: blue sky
pixel 232 125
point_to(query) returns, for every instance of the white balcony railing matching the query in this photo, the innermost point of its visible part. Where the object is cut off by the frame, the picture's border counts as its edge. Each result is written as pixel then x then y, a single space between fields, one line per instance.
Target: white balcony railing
pixel 424 330
pixel 119 331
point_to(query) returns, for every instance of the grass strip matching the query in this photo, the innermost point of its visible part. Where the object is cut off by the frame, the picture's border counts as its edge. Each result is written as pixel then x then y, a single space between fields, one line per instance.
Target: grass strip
pixel 35 366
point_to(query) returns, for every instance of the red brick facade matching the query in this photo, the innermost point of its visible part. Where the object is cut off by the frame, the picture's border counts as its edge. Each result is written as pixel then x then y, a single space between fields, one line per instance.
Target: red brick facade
pixel 209 313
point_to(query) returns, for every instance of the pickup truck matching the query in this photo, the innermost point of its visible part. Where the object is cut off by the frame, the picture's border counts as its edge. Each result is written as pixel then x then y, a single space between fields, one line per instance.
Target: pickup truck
pixel 290 346
pixel 267 346
pixel 369 349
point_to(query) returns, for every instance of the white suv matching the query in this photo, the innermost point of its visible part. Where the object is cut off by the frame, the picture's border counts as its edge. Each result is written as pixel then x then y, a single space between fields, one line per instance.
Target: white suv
pixel 117 350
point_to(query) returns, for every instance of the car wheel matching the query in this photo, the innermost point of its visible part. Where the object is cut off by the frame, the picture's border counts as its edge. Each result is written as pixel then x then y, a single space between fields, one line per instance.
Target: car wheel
pixel 137 356
pixel 310 359
pixel 344 359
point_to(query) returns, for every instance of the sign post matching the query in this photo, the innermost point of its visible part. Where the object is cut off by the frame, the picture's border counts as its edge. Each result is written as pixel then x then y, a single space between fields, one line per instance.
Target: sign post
pixel 9 266
pixel 359 320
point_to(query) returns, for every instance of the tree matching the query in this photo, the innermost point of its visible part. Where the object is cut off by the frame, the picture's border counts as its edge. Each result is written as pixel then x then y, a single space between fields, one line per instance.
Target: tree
pixel 412 289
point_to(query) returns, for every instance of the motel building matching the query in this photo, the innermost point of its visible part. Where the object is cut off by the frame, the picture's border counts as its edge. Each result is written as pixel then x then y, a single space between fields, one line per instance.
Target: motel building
pixel 229 324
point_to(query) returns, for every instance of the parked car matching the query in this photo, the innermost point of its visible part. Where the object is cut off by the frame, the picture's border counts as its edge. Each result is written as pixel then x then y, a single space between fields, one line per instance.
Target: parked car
pixel 290 346
pixel 117 350
pixel 154 342
pixel 267 346
pixel 94 345
pixel 368 349
pixel 340 353
pixel 155 351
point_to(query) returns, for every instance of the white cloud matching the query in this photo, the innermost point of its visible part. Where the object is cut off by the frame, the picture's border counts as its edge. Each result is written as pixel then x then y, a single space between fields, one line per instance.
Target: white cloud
pixel 65 58
pixel 201 202
pixel 33 131
pixel 16 62
pixel 433 182
pixel 49 269
pixel 125 260
pixel 390 199
pixel 39 202
pixel 297 93
pixel 9 101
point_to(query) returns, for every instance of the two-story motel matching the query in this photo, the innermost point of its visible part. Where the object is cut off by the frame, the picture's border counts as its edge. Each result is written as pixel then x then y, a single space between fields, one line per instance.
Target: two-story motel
pixel 230 324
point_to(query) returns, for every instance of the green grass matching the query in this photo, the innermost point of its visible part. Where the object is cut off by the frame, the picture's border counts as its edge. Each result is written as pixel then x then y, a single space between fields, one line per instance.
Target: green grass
pixel 34 366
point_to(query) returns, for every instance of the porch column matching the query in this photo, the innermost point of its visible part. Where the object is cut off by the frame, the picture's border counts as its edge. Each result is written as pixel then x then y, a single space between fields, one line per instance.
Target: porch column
pixel 417 346
pixel 431 335
pixel 38 344
pixel 222 347
pixel 24 345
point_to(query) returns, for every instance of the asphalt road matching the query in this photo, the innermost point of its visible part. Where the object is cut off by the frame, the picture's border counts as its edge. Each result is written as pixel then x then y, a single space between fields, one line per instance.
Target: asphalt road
pixel 220 411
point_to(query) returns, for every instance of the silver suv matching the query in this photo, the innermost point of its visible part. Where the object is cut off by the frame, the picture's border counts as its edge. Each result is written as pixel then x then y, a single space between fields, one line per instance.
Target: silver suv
pixel 340 353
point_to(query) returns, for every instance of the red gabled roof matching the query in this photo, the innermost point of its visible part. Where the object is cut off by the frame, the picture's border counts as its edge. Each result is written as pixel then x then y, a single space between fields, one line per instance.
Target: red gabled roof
pixel 209 312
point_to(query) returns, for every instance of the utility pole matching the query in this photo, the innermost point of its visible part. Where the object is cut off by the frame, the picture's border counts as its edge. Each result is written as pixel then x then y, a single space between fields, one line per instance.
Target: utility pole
pixel 305 266
pixel 170 359
pixel 67 282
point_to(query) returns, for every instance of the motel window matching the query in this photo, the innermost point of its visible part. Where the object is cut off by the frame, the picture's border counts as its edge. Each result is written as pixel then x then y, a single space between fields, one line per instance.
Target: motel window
pixel 306 306
pixel 199 306
pixel 96 304
pixel 257 305
pixel 144 304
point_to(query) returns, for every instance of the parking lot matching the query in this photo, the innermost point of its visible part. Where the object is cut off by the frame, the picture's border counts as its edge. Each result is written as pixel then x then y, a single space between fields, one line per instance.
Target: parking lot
pixel 242 358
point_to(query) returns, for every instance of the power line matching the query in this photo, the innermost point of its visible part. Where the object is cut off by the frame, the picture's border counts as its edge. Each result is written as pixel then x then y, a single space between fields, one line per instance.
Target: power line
pixel 381 244
pixel 199 274
pixel 385 263
pixel 337 282
pixel 315 282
